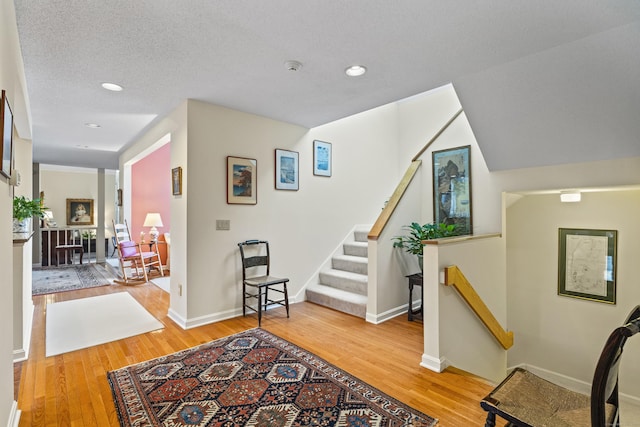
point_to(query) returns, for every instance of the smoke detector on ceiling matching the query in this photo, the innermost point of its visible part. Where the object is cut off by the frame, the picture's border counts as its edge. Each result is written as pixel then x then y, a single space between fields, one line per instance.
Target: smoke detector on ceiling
pixel 293 65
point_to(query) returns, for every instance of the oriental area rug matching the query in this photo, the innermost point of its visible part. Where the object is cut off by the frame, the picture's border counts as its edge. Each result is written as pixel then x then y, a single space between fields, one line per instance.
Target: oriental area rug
pixel 49 280
pixel 251 379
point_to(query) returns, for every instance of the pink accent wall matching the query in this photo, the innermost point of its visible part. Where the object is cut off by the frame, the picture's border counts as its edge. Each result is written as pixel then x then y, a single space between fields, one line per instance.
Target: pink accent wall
pixel 151 191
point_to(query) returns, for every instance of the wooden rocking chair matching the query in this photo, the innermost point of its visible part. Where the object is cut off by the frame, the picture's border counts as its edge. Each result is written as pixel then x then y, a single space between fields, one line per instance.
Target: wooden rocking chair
pixel 133 257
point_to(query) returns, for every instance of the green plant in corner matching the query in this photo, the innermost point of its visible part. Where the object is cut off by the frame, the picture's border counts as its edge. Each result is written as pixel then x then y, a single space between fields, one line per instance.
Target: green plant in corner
pixel 24 208
pixel 412 242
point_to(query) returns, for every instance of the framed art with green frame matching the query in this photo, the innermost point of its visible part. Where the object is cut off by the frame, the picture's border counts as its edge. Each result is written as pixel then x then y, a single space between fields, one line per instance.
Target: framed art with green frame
pixel 587 264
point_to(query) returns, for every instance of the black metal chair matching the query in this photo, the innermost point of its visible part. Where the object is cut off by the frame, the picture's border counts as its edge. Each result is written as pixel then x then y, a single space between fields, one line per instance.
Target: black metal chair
pixel 526 400
pixel 256 281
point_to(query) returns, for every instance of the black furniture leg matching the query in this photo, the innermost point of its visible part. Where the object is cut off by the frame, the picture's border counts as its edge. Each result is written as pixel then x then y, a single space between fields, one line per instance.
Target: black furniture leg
pixel 491 420
pixel 260 305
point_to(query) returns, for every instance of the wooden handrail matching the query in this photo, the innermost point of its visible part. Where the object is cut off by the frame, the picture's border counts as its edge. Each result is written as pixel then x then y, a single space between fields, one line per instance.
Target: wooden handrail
pixel 454 277
pixel 437 135
pixel 382 220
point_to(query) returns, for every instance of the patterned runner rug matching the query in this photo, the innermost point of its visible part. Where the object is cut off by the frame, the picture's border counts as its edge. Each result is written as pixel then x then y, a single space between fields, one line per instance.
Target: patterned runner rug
pixel 251 379
pixel 48 280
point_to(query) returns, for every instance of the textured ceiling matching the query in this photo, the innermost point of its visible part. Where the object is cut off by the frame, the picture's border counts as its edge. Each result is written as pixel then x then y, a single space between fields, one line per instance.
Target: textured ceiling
pixel 542 82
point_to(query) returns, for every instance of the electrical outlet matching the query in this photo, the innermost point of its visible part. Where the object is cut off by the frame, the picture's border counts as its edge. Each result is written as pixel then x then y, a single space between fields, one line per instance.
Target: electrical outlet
pixel 223 224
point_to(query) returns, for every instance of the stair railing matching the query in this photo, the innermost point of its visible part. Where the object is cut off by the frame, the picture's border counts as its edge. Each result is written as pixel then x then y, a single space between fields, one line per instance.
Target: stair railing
pixel 454 277
pixel 391 205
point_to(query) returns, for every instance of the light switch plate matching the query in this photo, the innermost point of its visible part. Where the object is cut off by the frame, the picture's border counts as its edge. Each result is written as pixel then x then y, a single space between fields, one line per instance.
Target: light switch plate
pixel 223 224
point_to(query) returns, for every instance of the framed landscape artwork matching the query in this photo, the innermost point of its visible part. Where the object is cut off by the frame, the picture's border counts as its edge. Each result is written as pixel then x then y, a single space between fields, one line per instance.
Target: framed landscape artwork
pixel 321 158
pixel 452 188
pixel 242 181
pixel 587 264
pixel 286 170
pixel 79 211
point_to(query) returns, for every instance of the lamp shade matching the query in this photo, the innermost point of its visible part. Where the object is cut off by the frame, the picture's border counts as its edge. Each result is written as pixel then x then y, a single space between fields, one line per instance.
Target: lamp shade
pixel 153 220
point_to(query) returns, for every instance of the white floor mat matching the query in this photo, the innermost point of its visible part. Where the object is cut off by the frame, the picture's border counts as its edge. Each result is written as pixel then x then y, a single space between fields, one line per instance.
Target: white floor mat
pixel 162 282
pixel 81 323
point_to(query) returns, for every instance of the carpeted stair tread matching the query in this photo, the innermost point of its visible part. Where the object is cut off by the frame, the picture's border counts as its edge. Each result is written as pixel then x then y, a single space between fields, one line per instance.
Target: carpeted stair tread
pixel 351 263
pixel 361 235
pixel 345 280
pixel 360 249
pixel 338 299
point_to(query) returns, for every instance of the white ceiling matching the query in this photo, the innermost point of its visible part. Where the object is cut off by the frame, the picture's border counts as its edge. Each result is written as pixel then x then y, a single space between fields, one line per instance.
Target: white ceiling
pixel 542 82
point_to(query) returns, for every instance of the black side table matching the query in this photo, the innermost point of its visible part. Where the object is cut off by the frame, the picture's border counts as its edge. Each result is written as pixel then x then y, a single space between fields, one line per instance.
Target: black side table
pixel 415 280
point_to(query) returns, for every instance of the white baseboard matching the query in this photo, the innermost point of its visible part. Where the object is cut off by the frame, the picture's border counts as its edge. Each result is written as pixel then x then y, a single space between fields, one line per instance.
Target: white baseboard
pixel 571 383
pixel 436 365
pixel 20 355
pixel 14 415
pixel 211 318
pixel 389 314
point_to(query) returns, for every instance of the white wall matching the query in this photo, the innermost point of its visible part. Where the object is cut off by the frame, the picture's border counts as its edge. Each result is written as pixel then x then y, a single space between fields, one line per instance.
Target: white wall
pixel 562 334
pixel 60 184
pixel 370 152
pixel 11 80
pixel 173 127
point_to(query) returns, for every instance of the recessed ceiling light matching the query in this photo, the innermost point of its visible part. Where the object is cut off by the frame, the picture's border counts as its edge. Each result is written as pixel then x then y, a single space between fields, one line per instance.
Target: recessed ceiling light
pixel 355 70
pixel 92 125
pixel 112 87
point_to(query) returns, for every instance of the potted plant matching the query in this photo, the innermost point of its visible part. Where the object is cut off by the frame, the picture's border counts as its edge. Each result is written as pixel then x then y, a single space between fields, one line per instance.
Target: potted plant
pixel 23 211
pixel 412 243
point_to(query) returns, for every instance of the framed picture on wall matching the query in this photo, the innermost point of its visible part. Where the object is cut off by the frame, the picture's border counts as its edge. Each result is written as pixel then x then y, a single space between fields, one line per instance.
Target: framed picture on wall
pixel 6 129
pixel 587 264
pixel 79 211
pixel 242 181
pixel 176 181
pixel 452 188
pixel 321 158
pixel 286 170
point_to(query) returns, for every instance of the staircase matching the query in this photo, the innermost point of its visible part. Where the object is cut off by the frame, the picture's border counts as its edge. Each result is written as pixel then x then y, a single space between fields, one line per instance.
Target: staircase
pixel 342 285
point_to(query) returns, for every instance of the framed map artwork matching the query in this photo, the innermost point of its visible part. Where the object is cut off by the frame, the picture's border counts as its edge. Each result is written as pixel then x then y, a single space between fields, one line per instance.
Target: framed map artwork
pixel 587 264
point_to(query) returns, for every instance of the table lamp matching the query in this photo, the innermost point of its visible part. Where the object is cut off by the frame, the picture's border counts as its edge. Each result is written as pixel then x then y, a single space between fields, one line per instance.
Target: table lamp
pixel 153 220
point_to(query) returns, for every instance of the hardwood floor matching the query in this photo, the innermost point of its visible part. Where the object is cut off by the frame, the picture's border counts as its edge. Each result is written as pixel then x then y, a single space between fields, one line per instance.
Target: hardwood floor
pixel 72 389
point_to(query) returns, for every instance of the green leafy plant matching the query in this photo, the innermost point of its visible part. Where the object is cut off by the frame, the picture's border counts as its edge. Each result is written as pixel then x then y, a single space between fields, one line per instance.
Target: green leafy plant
pixel 24 208
pixel 91 234
pixel 412 242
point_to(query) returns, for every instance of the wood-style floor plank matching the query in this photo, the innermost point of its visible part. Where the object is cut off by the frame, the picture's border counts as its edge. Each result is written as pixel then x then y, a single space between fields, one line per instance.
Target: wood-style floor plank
pixel 72 388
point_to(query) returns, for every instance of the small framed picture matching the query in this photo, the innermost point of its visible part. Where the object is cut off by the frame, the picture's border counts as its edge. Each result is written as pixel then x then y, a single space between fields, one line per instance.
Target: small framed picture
pixel 176 181
pixel 242 181
pixel 286 170
pixel 79 211
pixel 587 264
pixel 321 158
pixel 119 197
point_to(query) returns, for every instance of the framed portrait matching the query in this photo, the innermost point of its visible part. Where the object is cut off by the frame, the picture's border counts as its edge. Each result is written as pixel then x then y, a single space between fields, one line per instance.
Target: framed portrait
pixel 587 264
pixel 321 158
pixel 287 170
pixel 176 181
pixel 452 188
pixel 242 181
pixel 79 211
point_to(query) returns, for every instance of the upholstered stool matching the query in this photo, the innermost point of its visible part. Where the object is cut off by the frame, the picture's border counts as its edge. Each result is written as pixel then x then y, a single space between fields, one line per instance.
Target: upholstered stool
pixel 69 249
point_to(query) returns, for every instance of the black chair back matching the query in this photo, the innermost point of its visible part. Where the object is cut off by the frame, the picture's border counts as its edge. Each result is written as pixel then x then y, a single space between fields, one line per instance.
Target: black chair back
pixel 257 257
pixel 604 388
